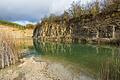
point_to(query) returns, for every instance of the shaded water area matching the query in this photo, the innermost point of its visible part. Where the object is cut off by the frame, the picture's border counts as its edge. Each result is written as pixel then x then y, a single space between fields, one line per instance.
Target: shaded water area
pixel 66 61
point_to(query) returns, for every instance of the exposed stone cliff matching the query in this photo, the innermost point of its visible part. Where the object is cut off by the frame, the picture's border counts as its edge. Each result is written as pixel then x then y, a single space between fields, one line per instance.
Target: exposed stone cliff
pixel 88 27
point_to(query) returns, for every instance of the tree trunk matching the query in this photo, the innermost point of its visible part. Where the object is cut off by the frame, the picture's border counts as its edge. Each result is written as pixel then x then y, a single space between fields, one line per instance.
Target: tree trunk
pixel 113 36
pixel 97 35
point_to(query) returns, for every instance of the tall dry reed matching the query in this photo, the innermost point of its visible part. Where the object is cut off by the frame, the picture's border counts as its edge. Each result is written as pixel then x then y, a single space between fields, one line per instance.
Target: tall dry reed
pixel 110 69
pixel 8 50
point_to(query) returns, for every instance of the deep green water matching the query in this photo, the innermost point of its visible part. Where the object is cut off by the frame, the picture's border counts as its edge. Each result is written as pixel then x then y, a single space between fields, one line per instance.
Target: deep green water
pixel 78 57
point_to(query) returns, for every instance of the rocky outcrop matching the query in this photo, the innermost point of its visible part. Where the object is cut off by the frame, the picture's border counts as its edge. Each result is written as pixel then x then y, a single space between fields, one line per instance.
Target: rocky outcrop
pixel 83 28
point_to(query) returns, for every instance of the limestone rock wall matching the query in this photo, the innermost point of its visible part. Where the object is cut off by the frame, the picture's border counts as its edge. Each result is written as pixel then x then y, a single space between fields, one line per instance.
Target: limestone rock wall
pixel 83 27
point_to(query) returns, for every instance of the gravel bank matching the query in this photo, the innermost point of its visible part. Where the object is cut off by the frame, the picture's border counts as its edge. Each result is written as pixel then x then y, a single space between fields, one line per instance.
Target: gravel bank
pixel 32 69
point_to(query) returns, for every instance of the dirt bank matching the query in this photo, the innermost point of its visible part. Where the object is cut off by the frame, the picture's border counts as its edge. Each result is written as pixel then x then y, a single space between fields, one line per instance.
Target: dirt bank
pixel 17 33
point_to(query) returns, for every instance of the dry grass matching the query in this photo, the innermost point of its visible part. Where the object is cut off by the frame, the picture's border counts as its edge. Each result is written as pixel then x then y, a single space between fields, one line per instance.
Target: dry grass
pixel 8 50
pixel 17 33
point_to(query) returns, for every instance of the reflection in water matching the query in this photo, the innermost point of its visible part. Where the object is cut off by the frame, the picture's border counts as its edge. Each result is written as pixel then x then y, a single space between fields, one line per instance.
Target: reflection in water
pixel 99 61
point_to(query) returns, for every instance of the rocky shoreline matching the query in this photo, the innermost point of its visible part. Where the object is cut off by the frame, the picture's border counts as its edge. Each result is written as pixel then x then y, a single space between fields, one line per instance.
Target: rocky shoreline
pixel 36 69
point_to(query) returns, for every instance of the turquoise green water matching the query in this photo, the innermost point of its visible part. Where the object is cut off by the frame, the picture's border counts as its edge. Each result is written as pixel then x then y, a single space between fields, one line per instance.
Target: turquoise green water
pixel 82 57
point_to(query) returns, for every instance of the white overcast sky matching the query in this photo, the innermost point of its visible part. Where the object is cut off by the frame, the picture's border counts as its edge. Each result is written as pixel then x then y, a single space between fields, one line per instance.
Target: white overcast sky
pixel 32 10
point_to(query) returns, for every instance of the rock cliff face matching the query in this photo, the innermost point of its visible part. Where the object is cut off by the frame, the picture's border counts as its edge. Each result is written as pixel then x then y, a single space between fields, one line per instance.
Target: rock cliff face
pixel 85 27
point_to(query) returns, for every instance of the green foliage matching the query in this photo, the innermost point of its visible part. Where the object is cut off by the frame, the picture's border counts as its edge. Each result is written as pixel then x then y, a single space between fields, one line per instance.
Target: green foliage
pixel 51 18
pixel 29 26
pixel 7 23
pixel 75 10
pixel 110 6
pixel 93 8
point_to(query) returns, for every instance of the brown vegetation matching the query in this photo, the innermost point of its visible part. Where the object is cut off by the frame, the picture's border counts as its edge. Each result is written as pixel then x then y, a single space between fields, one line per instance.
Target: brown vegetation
pixel 110 70
pixel 17 33
pixel 8 50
